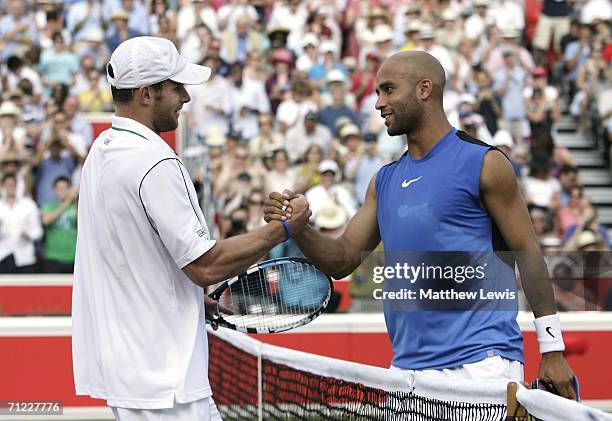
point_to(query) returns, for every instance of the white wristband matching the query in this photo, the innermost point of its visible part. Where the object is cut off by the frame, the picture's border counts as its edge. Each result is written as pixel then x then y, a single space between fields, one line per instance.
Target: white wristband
pixel 548 331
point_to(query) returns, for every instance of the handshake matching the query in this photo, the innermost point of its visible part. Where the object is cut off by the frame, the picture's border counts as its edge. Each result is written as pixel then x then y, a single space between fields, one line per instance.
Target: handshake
pixel 288 206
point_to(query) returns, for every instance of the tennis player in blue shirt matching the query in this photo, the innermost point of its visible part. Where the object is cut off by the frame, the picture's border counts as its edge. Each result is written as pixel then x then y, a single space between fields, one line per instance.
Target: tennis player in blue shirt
pixel 449 192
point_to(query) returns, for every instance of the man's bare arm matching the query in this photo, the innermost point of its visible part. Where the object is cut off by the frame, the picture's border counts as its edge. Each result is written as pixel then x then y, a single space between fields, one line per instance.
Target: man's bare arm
pixel 232 256
pixel 502 198
pixel 336 256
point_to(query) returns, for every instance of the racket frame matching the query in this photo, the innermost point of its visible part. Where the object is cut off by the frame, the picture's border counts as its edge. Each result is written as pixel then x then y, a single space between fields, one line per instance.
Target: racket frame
pixel 216 294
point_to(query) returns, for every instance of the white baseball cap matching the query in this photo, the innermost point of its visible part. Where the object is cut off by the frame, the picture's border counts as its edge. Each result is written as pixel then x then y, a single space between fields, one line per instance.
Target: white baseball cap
pixel 143 61
pixel 335 75
pixel 329 165
pixel 327 47
pixel 382 33
pixel 468 98
pixel 310 39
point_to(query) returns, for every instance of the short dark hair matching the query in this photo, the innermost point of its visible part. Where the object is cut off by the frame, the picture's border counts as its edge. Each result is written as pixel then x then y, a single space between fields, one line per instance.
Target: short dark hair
pixel 122 96
pixel 60 179
pixel 568 169
pixel 7 176
pixel 14 63
pixel 52 15
pixel 57 35
pixel 26 86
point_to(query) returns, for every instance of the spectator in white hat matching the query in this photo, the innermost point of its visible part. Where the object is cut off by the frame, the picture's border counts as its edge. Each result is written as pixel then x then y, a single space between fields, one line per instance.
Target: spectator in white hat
pixel 12 134
pixel 330 191
pixel 368 164
pixel 474 26
pixel 82 17
pixel 293 109
pixel 195 11
pixel 331 219
pixel 291 14
pixel 503 141
pixel 429 44
pixel 351 140
pixel 450 33
pixel 508 14
pixel 509 83
pixel 138 19
pixel 230 13
pixel 510 41
pixel 328 61
pixel 119 29
pixel 412 39
pixel 311 132
pixel 340 105
pixel 381 43
pixel 310 52
pixel 336 79
pixel 366 24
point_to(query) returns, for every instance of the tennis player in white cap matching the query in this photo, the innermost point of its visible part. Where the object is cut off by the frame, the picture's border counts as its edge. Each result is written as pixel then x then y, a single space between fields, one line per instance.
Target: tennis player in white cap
pixel 144 252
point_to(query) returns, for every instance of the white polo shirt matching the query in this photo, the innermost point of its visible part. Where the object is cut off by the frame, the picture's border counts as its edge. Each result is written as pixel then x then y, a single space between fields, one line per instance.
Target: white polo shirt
pixel 138 328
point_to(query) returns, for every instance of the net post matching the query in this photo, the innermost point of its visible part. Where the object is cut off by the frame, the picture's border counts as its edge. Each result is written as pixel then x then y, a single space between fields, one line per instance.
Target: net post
pixel 259 388
pixel 515 411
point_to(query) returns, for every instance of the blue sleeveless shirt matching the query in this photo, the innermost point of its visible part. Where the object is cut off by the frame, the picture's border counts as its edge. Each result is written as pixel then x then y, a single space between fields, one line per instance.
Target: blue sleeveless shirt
pixel 433 204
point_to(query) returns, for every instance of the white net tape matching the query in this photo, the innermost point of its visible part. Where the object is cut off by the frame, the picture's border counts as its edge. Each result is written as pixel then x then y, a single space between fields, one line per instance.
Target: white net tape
pixel 548 407
pixel 539 404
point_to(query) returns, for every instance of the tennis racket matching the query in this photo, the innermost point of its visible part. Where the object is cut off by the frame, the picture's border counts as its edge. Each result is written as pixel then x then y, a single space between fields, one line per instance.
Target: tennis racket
pixel 272 296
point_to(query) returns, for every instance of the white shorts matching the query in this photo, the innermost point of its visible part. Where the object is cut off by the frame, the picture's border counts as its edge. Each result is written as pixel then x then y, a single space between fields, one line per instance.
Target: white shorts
pixel 494 367
pixel 200 410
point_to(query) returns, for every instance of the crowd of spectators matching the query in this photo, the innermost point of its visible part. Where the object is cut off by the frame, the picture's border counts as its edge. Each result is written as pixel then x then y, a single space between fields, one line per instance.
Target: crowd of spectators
pixel 290 103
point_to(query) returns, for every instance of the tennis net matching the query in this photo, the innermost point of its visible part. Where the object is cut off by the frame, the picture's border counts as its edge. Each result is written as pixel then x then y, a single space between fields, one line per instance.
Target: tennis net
pixel 252 380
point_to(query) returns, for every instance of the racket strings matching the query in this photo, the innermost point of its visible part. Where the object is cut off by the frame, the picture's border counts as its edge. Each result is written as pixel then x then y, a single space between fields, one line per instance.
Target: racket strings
pixel 276 296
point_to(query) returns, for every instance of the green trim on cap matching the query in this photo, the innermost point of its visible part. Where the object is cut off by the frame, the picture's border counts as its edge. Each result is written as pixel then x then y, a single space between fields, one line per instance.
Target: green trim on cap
pixel 129 131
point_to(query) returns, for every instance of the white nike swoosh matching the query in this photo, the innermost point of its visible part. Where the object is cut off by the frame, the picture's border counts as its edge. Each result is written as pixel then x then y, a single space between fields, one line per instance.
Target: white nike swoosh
pixel 407 182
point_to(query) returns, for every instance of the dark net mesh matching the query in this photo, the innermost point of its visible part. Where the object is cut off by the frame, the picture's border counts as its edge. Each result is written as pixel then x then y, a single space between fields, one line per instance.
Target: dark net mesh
pixel 290 394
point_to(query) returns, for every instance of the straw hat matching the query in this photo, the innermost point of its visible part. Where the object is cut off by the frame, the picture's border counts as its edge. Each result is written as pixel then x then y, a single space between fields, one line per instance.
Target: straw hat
pixel 11 156
pixel 215 138
pixel 331 216
pixel 382 33
pixel 120 15
pixel 586 238
pixel 349 130
pixel 9 108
